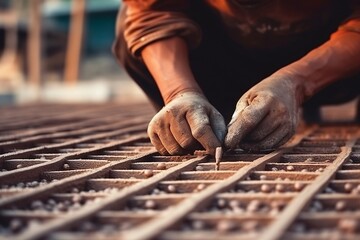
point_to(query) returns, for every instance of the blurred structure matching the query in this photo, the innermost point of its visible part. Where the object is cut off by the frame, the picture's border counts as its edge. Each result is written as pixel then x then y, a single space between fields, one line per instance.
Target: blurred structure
pixel 11 76
pixel 60 50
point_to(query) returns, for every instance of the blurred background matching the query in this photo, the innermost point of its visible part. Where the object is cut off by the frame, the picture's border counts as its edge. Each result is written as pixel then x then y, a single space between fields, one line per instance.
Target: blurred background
pixel 60 51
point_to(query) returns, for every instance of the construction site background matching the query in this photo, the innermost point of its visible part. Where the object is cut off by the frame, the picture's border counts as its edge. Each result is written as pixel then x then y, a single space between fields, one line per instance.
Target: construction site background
pixel 60 51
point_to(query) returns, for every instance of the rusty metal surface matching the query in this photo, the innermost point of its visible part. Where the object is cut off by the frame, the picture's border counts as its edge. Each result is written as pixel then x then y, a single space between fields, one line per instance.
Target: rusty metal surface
pixel 90 172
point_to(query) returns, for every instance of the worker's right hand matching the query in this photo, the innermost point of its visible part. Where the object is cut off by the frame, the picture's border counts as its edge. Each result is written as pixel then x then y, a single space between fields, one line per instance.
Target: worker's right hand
pixel 267 115
pixel 186 121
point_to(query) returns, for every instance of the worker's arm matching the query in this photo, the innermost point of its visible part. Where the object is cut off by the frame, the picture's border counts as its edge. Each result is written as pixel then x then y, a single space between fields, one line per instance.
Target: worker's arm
pixel 160 33
pixel 187 118
pixel 167 61
pixel 266 116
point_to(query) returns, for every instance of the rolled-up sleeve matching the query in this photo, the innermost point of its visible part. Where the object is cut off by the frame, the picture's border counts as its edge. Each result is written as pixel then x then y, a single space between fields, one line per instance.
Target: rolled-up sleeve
pixel 149 21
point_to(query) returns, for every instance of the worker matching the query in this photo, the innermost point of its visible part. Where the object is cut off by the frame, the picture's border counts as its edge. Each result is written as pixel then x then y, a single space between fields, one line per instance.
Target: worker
pixel 237 73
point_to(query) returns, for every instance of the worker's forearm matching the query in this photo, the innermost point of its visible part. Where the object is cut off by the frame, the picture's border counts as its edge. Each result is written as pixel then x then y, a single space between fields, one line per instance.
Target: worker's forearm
pixel 334 60
pixel 167 61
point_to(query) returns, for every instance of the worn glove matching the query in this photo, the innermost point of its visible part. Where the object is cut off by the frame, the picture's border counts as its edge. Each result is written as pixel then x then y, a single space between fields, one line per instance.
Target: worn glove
pixel 266 116
pixel 189 119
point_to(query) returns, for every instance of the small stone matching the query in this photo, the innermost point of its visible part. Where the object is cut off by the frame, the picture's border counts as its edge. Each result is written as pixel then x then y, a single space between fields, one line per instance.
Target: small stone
pixel 240 190
pixel 304 170
pixel 148 173
pixel 278 204
pixel 197 225
pixel 317 206
pixel 88 227
pixel 171 189
pixel 108 229
pixel 263 177
pixel 66 166
pixel 298 228
pixel 61 207
pixel 48 207
pixel 310 159
pixel 298 186
pixel 265 188
pixel 221 203
pixel 15 225
pixel 155 191
pixel 67 203
pixel 34 184
pixel 238 210
pixel 51 202
pixel 75 206
pixel 279 188
pixel 161 166
pixel 34 224
pixel 320 170
pixel 249 226
pixel 348 187
pixel 225 226
pixel 201 187
pixel 340 206
pixel 274 169
pixel 20 185
pixel 77 198
pixel 329 190
pixel 355 191
pixel 348 225
pixel 290 168
pixel 253 206
pixel 150 204
pixel 36 205
pixel 274 212
pixel 111 190
pixel 19 166
pixel 126 226
pixel 199 168
pixel 233 204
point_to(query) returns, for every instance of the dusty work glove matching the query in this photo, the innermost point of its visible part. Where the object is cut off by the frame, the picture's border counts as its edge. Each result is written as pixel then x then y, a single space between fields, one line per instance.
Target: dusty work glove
pixel 189 119
pixel 266 116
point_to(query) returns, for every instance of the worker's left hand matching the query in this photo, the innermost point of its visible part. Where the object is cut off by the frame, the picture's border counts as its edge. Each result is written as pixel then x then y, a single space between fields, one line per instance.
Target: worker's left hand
pixel 266 116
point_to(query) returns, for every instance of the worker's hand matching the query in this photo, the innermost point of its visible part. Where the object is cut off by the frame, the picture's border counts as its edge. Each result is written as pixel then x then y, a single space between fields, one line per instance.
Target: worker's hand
pixel 189 119
pixel 266 116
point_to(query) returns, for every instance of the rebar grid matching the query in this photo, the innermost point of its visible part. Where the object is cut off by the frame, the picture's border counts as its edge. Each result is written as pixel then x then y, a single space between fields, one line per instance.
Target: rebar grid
pixel 90 172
